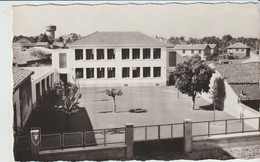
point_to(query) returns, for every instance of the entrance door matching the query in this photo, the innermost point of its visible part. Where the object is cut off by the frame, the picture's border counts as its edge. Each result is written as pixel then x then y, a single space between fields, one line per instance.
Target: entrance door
pixel 63 77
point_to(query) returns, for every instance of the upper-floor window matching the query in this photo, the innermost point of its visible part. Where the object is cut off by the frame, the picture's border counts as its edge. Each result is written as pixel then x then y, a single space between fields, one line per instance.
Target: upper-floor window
pixel 157 72
pixel 125 72
pixel 79 72
pixel 136 53
pixel 156 53
pixel 183 51
pixel 100 72
pixel 125 54
pixel 90 73
pixel 199 51
pixel 146 72
pixel 110 54
pixel 89 54
pixel 111 72
pixel 78 54
pixel 237 49
pixel 63 60
pixel 100 54
pixel 242 49
pixel 136 72
pixel 192 51
pixel 146 53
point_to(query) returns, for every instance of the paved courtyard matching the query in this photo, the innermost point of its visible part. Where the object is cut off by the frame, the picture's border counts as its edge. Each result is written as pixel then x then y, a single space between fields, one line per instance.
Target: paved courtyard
pixel 162 104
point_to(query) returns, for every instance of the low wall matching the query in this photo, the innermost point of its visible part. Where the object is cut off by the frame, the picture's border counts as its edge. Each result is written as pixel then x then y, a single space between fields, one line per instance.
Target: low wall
pixel 232 140
pixel 146 147
pixel 87 153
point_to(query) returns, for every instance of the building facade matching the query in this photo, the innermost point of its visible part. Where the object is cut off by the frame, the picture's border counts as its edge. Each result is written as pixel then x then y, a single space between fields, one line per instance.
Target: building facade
pixel 113 59
pixel 238 50
pixel 191 49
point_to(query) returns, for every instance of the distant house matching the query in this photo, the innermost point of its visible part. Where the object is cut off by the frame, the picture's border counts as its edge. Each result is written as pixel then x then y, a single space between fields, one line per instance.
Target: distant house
pixel 23 58
pixel 191 49
pixel 238 50
pixel 56 45
pixel 213 49
pixel 242 83
pixel 23 40
pixel 22 98
pixel 42 44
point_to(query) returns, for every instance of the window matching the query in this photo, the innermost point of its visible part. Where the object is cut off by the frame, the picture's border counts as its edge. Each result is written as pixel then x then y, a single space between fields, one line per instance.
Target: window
pixel 111 72
pixel 156 53
pixel 136 53
pixel 146 53
pixel 157 72
pixel 172 59
pixel 242 49
pixel 192 51
pixel 199 51
pixel 89 54
pixel 79 72
pixel 100 54
pixel 90 73
pixel 79 54
pixel 125 72
pixel 125 54
pixel 100 72
pixel 63 60
pixel 183 51
pixel 136 72
pixel 146 72
pixel 236 49
pixel 110 54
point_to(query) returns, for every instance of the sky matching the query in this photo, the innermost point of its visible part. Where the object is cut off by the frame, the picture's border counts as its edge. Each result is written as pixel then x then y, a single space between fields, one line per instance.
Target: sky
pixel 193 20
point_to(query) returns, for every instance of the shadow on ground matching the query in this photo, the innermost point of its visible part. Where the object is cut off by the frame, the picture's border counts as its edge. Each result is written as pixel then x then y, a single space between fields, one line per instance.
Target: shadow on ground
pixel 209 107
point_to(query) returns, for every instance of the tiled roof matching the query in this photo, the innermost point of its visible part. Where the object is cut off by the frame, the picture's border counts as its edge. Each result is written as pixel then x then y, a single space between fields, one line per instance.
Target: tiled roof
pixel 238 45
pixel 118 38
pixel 19 75
pixel 21 57
pixel 41 44
pixel 240 73
pixel 190 47
pixel 247 91
pixel 212 45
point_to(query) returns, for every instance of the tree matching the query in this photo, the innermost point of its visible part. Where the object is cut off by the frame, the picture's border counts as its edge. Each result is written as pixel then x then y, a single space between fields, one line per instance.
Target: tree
pixel 43 38
pixel 192 77
pixel 69 95
pixel 113 93
pixel 218 92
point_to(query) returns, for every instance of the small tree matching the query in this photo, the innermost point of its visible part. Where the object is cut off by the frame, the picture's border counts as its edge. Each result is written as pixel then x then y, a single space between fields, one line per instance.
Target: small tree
pixel 68 96
pixel 192 77
pixel 218 93
pixel 113 93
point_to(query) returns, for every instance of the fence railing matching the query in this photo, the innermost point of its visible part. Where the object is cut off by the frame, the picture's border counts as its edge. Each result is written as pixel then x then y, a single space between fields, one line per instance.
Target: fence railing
pixel 228 126
pixel 157 132
pixel 99 137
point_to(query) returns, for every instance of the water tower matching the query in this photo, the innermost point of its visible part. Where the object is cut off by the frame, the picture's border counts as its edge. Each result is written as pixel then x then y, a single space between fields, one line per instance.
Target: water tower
pixel 51 32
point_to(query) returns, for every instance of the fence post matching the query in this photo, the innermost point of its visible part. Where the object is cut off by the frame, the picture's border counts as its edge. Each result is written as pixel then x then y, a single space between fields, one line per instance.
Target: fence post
pixel 35 143
pixel 187 135
pixel 129 140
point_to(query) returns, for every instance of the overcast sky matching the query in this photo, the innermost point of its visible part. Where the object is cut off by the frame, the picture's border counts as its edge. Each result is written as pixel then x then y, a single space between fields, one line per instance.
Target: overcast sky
pixel 197 20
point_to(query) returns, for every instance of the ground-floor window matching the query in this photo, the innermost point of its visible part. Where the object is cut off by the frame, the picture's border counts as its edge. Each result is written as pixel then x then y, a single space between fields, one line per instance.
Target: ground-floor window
pixel 146 72
pixel 125 72
pixel 100 72
pixel 90 73
pixel 79 72
pixel 136 72
pixel 111 72
pixel 157 72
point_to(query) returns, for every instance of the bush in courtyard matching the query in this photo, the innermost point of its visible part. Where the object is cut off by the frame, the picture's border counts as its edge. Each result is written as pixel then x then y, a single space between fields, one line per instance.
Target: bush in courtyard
pixel 193 76
pixel 218 93
pixel 113 93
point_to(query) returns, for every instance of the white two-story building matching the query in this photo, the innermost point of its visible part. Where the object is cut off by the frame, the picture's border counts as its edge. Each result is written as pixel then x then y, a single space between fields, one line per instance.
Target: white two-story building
pixel 113 59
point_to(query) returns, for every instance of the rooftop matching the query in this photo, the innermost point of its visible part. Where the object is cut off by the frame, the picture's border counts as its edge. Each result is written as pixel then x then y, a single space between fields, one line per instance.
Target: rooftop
pixel 212 45
pixel 190 46
pixel 39 71
pixel 118 38
pixel 242 73
pixel 19 75
pixel 238 45
pixel 250 91
pixel 21 57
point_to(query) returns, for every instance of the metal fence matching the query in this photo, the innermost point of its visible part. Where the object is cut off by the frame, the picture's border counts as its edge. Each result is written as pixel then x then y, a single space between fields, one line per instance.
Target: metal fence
pixel 157 132
pixel 228 126
pixel 99 137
